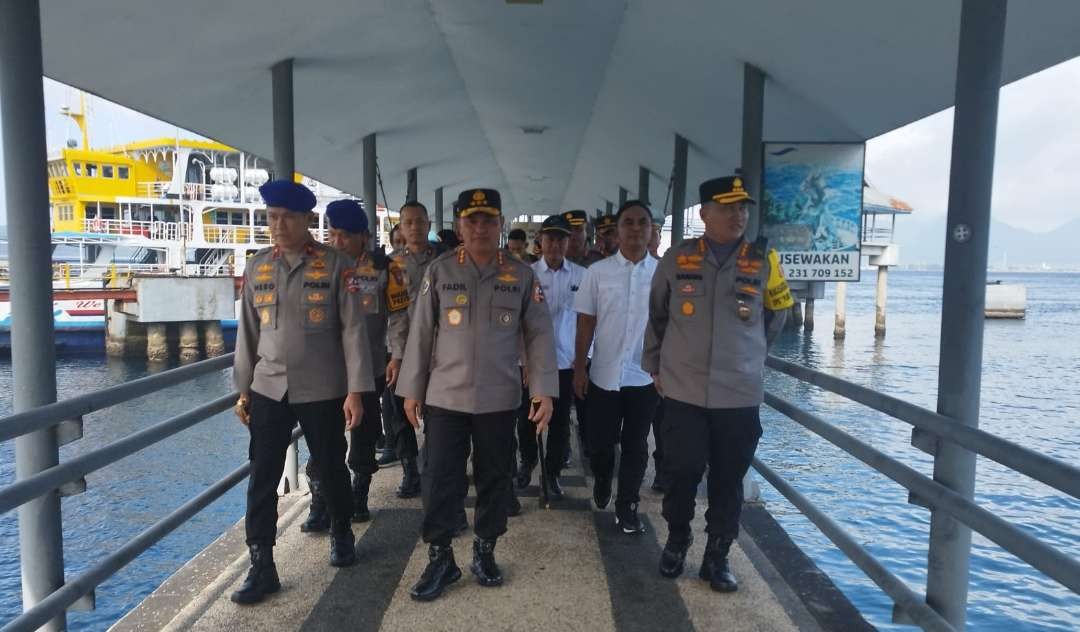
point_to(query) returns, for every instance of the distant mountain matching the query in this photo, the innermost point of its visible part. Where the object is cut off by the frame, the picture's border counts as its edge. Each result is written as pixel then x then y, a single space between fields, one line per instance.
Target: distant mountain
pixel 922 242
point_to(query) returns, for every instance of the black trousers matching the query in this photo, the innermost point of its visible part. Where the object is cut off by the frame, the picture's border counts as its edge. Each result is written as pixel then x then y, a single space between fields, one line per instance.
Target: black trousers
pixel 558 437
pixel 362 439
pixel 658 437
pixel 271 427
pixel 582 409
pixel 621 417
pixel 725 439
pixel 448 437
pixel 401 435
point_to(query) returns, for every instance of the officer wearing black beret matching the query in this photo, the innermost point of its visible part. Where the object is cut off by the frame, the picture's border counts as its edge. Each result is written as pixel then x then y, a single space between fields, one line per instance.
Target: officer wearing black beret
pixel 478 308
pixel 716 303
pixel 301 355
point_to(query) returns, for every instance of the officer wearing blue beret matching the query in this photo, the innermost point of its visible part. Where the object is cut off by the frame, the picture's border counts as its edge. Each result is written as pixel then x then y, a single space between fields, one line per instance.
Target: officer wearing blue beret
pixel 301 355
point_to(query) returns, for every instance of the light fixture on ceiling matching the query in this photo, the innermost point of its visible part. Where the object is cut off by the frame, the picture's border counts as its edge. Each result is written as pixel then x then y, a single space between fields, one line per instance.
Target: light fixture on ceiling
pixel 534 129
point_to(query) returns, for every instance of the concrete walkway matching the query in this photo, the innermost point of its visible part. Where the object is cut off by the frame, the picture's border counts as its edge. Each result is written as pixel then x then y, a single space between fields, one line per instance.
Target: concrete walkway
pixel 567 568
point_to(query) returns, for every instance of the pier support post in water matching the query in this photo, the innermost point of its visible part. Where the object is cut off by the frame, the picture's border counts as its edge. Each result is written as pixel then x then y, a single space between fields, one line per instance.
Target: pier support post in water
pixel 157 342
pixel 880 296
pixel 189 342
pixel 214 339
pixel 795 320
pixel 33 357
pixel 808 315
pixel 840 323
pixel 971 178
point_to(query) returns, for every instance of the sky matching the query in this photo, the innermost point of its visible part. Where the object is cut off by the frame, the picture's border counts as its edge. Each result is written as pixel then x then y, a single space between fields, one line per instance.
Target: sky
pixel 1036 186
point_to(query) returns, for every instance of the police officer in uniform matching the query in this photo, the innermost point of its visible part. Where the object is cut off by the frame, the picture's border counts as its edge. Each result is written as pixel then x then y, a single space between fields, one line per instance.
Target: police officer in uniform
pixel 577 246
pixel 715 305
pixel 301 355
pixel 379 283
pixel 477 309
pixel 418 253
pixel 607 239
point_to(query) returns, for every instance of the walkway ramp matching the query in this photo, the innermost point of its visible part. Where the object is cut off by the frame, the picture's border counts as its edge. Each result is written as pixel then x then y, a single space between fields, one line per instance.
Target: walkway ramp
pixel 566 568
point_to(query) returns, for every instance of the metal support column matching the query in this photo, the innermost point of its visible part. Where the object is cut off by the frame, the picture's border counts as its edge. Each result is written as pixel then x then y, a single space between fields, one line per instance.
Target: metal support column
pixel 285 169
pixel 978 82
pixel 410 185
pixel 624 195
pixel 643 184
pixel 41 540
pixel 753 125
pixel 438 209
pixel 284 147
pixel 371 187
pixel 678 190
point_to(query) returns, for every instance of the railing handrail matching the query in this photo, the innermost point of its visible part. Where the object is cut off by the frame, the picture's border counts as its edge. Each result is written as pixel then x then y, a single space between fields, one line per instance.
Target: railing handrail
pixel 1023 545
pixel 50 415
pixel 1045 469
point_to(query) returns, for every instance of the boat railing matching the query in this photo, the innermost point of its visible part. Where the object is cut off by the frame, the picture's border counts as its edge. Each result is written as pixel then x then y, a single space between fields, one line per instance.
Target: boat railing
pixel 877 234
pixel 66 419
pixel 930 429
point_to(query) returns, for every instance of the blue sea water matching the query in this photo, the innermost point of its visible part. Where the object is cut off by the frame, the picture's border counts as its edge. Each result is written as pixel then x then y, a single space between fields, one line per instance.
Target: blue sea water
pixel 1029 396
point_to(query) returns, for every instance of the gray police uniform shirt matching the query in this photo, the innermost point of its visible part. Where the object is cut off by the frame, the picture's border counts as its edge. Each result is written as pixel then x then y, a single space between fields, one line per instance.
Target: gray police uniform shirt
pixel 380 286
pixel 467 331
pixel 301 331
pixel 412 266
pixel 709 323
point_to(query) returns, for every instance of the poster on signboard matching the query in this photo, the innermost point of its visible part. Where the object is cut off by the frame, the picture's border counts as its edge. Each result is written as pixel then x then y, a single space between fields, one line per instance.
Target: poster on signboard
pixel 811 208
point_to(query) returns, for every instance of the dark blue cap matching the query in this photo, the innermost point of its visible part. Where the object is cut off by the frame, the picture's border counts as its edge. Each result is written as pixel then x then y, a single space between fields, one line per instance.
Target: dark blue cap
pixel 288 194
pixel 347 215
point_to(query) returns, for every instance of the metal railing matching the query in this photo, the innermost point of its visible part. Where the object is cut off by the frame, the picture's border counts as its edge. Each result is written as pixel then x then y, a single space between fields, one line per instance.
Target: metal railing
pixel 65 478
pixel 930 429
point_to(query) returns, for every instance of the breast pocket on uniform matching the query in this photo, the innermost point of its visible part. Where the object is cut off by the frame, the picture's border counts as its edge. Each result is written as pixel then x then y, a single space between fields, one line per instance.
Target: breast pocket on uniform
pixel 505 309
pixel 316 306
pixel 266 308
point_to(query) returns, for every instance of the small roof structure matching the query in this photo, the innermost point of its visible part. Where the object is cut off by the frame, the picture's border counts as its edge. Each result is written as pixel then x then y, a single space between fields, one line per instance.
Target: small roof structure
pixel 875 202
pixel 556 103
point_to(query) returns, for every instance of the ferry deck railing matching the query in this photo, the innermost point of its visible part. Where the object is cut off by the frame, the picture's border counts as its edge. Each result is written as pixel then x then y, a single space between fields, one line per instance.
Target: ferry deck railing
pixel 68 477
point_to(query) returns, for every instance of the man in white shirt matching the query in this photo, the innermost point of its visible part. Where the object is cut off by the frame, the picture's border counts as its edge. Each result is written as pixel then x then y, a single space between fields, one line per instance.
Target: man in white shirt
pixel 560 279
pixel 612 306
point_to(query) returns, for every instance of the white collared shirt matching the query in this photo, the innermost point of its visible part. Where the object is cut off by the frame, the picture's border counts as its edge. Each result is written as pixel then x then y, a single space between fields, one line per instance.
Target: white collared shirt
pixel 560 287
pixel 616 291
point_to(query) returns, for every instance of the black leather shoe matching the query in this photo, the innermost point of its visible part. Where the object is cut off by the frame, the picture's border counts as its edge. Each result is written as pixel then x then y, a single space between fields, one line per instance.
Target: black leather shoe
pixel 342 547
pixel 441 571
pixel 360 485
pixel 513 508
pixel 555 489
pixel 387 457
pixel 463 523
pixel 524 475
pixel 626 518
pixel 673 558
pixel 410 480
pixel 601 492
pixel 262 577
pixel 714 566
pixel 483 564
pixel 318 519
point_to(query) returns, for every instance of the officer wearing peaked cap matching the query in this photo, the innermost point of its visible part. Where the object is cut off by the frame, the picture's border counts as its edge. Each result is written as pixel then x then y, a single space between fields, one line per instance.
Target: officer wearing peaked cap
pixel 301 355
pixel 715 305
pixel 607 240
pixel 577 245
pixel 477 309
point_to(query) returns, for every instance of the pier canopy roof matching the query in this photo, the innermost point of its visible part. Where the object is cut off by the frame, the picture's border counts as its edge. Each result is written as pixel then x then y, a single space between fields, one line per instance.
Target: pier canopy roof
pixel 557 103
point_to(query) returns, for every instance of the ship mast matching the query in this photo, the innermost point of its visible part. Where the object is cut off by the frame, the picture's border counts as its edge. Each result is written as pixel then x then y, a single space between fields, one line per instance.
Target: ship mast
pixel 79 118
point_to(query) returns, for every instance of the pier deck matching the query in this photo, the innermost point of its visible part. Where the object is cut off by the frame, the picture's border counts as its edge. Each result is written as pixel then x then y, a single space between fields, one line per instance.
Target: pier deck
pixel 566 568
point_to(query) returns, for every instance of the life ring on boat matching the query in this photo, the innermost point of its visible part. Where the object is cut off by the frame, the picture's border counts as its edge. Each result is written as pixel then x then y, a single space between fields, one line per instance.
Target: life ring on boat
pixel 96 225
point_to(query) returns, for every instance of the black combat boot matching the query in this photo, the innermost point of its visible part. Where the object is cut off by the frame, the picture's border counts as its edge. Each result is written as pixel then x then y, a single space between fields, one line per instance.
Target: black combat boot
pixel 342 545
pixel 318 520
pixel 673 558
pixel 441 571
pixel 483 563
pixel 410 480
pixel 524 475
pixel 360 485
pixel 714 567
pixel 601 492
pixel 262 578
